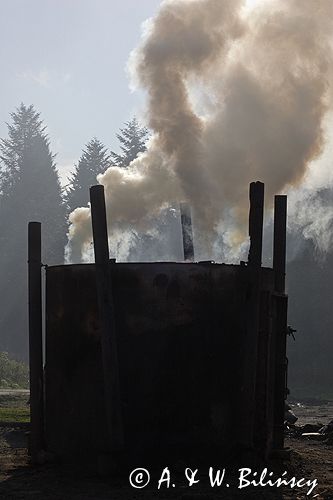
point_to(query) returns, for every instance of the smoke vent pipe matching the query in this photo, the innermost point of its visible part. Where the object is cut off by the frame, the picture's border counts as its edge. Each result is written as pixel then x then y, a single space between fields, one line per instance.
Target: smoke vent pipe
pixel 256 221
pixel 186 221
pixel 279 245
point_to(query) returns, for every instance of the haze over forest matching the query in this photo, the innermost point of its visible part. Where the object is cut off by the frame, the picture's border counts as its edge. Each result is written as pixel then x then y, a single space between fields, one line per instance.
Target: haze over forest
pixel 225 93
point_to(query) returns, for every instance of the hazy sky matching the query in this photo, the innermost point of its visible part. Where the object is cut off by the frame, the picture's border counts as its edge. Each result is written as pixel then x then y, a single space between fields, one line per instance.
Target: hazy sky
pixel 68 58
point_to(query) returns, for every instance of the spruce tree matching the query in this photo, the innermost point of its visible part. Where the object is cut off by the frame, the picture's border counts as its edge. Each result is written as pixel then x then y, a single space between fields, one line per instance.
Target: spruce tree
pixel 30 190
pixel 94 160
pixel 132 140
pixel 25 126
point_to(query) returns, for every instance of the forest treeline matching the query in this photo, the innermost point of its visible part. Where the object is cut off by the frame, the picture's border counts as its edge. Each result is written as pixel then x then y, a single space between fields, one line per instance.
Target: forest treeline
pixel 30 189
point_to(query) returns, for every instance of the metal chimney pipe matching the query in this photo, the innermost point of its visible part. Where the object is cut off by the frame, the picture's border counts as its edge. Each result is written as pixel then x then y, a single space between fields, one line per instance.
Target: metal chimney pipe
pixel 256 221
pixel 279 245
pixel 187 232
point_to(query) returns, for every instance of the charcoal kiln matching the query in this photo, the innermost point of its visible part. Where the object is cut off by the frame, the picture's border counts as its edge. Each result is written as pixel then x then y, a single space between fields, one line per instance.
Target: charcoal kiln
pixel 161 357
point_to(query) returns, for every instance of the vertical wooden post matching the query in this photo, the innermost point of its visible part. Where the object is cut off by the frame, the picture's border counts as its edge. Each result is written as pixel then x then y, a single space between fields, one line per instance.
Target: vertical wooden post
pixel 186 221
pixel 279 250
pixel 250 345
pixel 35 340
pixel 256 220
pixel 281 312
pixel 280 385
pixel 106 311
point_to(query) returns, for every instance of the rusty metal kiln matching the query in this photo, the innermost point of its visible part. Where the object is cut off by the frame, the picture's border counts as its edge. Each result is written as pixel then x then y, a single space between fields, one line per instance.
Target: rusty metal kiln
pixel 161 357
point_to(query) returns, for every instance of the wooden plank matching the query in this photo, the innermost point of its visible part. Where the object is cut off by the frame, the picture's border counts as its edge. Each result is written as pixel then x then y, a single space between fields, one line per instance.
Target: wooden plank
pixel 35 340
pixel 106 312
pixel 281 306
pixel 251 335
pixel 280 386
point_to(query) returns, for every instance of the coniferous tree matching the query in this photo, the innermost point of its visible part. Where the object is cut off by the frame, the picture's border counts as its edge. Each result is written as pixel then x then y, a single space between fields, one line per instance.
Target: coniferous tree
pixel 132 140
pixel 94 160
pixel 25 126
pixel 30 190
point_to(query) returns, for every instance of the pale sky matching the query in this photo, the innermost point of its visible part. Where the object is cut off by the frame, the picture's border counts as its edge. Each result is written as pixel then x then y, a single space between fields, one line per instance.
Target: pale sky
pixel 68 58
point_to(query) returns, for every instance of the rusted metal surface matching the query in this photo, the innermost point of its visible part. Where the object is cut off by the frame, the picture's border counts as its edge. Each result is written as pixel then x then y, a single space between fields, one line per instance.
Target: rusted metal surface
pixel 181 337
pixel 199 354
pixel 280 331
pixel 263 402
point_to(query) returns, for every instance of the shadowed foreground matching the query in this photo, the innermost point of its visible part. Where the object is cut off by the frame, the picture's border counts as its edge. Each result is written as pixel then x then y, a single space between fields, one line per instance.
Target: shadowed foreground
pixel 18 480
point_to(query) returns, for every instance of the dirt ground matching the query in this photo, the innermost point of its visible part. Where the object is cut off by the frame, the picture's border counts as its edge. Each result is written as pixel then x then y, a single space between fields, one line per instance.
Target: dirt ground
pixel 308 459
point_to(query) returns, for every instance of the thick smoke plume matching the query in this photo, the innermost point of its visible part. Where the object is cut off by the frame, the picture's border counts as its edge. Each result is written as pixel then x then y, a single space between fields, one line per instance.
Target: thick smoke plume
pixel 233 95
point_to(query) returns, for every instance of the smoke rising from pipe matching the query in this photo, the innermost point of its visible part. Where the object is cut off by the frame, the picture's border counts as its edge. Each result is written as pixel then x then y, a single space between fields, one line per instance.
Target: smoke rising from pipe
pixel 232 96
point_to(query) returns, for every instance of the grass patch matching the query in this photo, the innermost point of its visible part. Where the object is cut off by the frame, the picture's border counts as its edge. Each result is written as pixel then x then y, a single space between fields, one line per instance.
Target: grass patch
pixel 17 415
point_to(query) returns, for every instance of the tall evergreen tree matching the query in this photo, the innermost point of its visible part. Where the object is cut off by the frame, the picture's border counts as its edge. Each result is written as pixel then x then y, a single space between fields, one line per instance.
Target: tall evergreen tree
pixel 30 190
pixel 94 160
pixel 25 126
pixel 133 139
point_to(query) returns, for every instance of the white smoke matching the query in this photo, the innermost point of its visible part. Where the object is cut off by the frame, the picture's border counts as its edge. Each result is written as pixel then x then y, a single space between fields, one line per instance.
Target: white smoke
pixel 233 95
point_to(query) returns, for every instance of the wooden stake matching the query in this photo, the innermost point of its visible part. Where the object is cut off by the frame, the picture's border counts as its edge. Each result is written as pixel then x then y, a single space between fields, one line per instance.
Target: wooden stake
pixel 35 340
pixel 106 311
pixel 281 321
